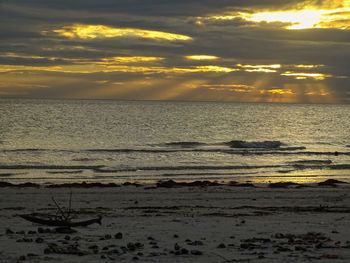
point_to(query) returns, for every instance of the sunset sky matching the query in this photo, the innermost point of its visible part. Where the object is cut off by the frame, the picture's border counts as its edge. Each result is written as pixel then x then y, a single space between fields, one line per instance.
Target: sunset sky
pixel 223 50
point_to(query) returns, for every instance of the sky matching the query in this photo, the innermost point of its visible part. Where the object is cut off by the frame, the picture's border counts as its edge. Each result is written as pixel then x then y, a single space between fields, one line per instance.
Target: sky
pixel 224 50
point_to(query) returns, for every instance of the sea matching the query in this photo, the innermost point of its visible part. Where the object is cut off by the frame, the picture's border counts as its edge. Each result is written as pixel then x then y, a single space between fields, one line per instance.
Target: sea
pixel 60 141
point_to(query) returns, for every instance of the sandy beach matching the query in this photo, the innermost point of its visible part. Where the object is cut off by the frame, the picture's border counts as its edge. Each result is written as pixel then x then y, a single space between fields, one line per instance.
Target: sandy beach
pixel 181 223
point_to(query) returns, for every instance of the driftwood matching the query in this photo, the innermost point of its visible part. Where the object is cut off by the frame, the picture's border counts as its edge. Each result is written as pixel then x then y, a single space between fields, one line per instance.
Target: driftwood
pixel 62 220
pixel 39 219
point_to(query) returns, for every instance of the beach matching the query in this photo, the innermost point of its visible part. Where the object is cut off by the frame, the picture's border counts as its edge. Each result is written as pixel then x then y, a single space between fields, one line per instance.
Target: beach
pixel 173 222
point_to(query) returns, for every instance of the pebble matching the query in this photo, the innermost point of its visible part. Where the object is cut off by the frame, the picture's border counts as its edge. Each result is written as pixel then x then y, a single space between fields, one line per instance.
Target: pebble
pixel 222 245
pixel 196 243
pixel 67 237
pixel 94 247
pixel 9 231
pixel 184 251
pixel 119 235
pixel 131 246
pixel 27 240
pixel 196 252
pixel 279 235
pixel 39 240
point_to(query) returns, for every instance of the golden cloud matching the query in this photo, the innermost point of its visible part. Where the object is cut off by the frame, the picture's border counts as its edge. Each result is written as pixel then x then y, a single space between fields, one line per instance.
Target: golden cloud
pixel 201 57
pixel 302 75
pixel 132 59
pixel 280 91
pixel 102 31
pixel 260 68
pixel 327 16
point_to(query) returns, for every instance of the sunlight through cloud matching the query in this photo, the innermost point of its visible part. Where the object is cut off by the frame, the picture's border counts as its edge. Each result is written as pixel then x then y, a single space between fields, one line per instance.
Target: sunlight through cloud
pixel 300 75
pixel 102 31
pixel 201 57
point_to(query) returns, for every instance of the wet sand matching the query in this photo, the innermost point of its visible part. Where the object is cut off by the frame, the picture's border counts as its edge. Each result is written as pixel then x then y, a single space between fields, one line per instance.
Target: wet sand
pixel 181 223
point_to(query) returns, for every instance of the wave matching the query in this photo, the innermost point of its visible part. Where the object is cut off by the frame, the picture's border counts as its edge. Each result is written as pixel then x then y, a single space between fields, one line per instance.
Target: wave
pixel 317 162
pixel 49 167
pixel 264 144
pixel 178 168
pixel 185 144
pixel 65 172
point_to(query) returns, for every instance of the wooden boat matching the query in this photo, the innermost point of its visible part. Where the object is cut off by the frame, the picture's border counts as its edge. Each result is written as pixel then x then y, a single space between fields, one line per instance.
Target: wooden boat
pixel 50 221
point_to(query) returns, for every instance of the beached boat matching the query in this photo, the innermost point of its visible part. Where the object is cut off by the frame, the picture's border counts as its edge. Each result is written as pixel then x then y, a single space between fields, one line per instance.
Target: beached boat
pixel 48 220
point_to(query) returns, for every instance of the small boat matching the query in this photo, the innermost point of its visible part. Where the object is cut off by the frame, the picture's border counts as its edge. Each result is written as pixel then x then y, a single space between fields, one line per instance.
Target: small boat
pixel 48 220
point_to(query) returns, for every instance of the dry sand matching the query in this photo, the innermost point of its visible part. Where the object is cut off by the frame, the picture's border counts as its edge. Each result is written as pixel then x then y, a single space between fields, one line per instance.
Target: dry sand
pixel 182 224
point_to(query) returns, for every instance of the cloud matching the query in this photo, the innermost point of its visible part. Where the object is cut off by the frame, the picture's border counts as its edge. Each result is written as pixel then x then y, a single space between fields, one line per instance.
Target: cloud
pixel 102 31
pixel 156 50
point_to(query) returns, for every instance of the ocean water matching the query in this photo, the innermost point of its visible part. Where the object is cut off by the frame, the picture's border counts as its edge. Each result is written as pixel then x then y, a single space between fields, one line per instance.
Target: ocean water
pixel 116 141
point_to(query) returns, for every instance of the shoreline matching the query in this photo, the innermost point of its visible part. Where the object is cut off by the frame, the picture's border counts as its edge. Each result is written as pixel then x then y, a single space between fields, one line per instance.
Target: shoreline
pixel 184 223
pixel 176 184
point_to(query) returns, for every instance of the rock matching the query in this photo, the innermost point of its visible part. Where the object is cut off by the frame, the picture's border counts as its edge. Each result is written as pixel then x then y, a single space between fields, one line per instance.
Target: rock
pixel 22 258
pixel 279 235
pixel 9 231
pixel 331 182
pixel 330 256
pixel 135 258
pixel 245 245
pixel 31 232
pixel 93 247
pixel 300 248
pixel 196 252
pixel 139 245
pixel 176 236
pixel 222 245
pixel 47 251
pixel 119 235
pixel 196 243
pixel 65 230
pixel 131 246
pixel 172 184
pixel 183 251
pixel 67 237
pixel 25 240
pixel 283 185
pixel 39 240
pixel 6 184
pixel 176 246
pixel 107 237
pixel 155 246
